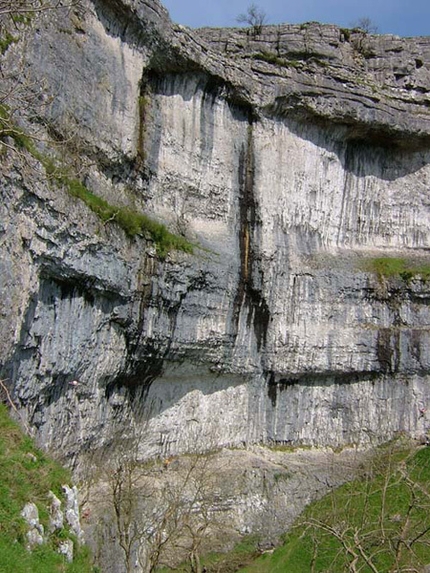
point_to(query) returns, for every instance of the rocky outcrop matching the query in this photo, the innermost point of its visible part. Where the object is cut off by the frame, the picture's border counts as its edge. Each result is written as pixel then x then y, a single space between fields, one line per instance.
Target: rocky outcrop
pixel 290 160
pixel 36 534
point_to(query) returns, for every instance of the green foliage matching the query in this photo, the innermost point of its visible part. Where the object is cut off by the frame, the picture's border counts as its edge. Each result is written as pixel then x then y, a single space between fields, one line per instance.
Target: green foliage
pixel 132 222
pixel 380 522
pixel 240 556
pixel 9 129
pixel 305 59
pixel 6 40
pixel 280 447
pixel 394 266
pixel 22 18
pixel 26 474
pixel 276 60
pixel 346 33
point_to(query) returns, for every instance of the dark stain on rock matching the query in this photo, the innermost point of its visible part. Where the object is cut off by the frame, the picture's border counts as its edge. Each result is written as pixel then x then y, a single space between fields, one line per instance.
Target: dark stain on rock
pixel 62 288
pixel 275 385
pixel 285 382
pixel 415 345
pixel 140 372
pixel 388 350
pixel 144 361
pixel 272 388
pixel 248 295
pixel 146 358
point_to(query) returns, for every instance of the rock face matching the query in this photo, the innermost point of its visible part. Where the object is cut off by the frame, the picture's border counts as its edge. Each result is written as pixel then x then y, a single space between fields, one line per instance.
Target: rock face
pixel 35 532
pixel 227 494
pixel 290 159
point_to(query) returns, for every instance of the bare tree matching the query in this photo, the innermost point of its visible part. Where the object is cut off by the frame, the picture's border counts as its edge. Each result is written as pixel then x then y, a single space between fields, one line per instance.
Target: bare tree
pixel 379 523
pixel 19 92
pixel 160 509
pixel 255 17
pixel 366 25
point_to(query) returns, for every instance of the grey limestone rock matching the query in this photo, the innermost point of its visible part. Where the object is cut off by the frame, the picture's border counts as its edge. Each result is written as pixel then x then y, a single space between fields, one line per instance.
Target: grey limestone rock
pixel 290 160
pixel 66 548
pixel 72 511
pixel 35 533
pixel 56 516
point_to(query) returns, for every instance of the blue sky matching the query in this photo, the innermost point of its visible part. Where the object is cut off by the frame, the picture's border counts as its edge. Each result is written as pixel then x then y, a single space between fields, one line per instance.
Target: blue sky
pixel 401 17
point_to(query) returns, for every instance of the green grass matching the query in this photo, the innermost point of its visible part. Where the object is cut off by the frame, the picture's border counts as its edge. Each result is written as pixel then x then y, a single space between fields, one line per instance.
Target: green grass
pixel 300 63
pixel 22 18
pixel 241 555
pixel 381 520
pixel 27 474
pixel 406 269
pixel 131 221
pixel 6 40
pixel 276 60
pixel 346 33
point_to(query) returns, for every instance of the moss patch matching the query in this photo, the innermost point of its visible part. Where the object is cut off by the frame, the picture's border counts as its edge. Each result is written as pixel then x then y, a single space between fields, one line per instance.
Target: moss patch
pixel 130 221
pixel 276 60
pixel 240 556
pixel 6 40
pixel 407 269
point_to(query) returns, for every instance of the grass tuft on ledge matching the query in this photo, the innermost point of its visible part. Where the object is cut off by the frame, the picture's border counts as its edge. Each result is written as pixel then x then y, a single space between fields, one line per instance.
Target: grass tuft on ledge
pixel 406 269
pixel 132 222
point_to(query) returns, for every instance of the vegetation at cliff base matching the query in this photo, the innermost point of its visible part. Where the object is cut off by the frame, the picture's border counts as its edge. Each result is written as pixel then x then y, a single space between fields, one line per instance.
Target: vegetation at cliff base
pixel 377 523
pixel 27 475
pixel 241 555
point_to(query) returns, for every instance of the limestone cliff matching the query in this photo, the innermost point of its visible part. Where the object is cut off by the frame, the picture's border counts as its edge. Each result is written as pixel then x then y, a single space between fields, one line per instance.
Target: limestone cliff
pixel 290 160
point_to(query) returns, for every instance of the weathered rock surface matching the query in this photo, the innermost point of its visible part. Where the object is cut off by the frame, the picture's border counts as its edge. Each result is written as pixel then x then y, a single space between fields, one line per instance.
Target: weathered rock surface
pixel 35 532
pixel 56 516
pixel 72 511
pixel 290 159
pixel 226 495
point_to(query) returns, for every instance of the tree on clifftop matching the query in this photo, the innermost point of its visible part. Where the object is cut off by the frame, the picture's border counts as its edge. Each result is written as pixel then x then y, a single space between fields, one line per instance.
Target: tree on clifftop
pixel 255 17
pixel 366 25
